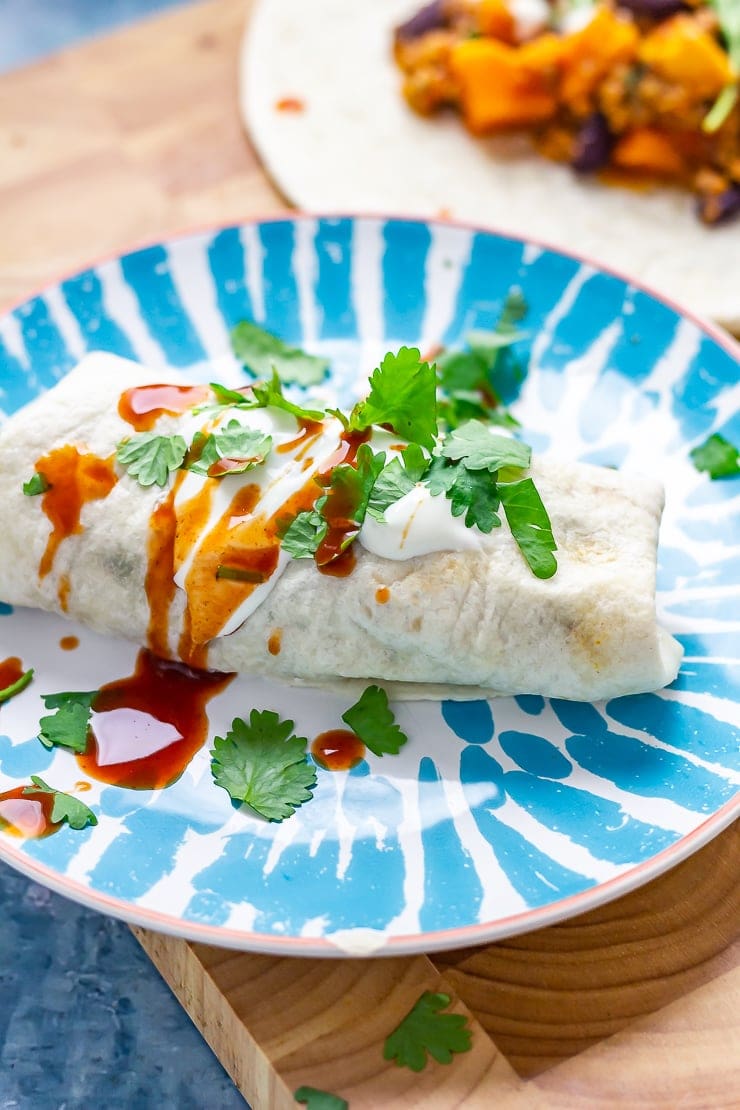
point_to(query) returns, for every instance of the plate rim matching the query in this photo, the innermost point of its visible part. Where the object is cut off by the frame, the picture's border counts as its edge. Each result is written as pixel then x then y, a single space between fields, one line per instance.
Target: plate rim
pixel 592 897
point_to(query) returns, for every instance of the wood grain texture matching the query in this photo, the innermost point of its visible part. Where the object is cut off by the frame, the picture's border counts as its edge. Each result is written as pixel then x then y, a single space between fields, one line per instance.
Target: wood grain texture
pixel 634 1004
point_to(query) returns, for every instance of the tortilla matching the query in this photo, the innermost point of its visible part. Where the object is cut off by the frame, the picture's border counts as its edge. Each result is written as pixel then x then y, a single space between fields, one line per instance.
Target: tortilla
pixel 466 621
pixel 356 146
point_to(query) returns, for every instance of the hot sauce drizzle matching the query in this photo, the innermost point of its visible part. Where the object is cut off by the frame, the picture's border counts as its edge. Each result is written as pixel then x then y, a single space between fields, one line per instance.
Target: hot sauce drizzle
pixel 333 555
pixel 11 670
pixel 275 641
pixel 27 815
pixel 382 595
pixel 69 643
pixel 159 697
pixel 74 479
pixel 142 406
pixel 338 749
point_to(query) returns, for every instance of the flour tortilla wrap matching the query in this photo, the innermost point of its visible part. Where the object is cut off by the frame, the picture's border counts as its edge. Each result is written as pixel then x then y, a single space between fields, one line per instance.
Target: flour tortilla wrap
pixel 458 622
pixel 356 146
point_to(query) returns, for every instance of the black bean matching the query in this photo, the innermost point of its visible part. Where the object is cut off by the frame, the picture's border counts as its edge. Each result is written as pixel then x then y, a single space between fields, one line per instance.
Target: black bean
pixel 720 208
pixel 593 144
pixel 430 18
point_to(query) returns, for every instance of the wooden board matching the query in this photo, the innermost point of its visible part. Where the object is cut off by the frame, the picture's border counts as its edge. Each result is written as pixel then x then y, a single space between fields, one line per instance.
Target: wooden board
pixel 636 1004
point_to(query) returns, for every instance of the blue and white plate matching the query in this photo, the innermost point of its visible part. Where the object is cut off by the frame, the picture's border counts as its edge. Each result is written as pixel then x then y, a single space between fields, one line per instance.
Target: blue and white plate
pixel 498 816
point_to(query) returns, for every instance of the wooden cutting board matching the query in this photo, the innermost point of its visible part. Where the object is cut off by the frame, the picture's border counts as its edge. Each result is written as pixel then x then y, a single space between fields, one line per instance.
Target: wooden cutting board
pixel 635 1004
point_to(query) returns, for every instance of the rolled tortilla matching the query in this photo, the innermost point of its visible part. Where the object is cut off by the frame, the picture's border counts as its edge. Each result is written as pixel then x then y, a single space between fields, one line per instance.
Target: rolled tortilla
pixel 458 622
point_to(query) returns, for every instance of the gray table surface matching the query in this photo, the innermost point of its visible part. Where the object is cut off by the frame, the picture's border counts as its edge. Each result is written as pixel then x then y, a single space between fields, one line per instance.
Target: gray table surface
pixel 85 1020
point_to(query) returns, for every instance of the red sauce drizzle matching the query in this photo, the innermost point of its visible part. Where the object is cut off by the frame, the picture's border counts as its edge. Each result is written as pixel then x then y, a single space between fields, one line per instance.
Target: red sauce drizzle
pixel 11 670
pixel 290 104
pixel 339 511
pixel 382 595
pixel 69 643
pixel 63 592
pixel 338 749
pixel 74 479
pixel 174 697
pixel 309 429
pixel 144 404
pixel 27 815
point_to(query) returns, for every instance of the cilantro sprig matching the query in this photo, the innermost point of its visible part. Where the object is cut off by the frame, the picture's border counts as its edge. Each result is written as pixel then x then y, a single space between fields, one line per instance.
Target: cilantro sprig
pixel 232 450
pixel 264 764
pixel 67 727
pixel 717 457
pixel 402 397
pixel 65 807
pixel 396 479
pixel 425 1032
pixel 372 719
pixel 261 352
pixel 16 687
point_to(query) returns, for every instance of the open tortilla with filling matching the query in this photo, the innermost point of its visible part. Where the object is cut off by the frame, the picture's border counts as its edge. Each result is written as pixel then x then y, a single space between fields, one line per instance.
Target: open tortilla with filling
pixel 321 97
pixel 458 621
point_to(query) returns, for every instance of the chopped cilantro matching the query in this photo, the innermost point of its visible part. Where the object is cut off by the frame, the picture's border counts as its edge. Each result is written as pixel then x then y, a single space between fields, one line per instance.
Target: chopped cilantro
pixel 68 726
pixel 264 764
pixel 530 525
pixel 397 479
pixel 304 533
pixel 65 807
pixel 36 484
pixel 243 447
pixel 238 574
pixel 717 456
pixel 372 719
pixel 262 352
pixel 151 458
pixel 479 449
pixel 403 397
pixel 16 687
pixel 473 492
pixel 426 1032
pixel 316 1099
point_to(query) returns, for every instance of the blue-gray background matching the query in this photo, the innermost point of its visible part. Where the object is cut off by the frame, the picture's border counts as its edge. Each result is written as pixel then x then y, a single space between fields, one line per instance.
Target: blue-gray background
pixel 85 1020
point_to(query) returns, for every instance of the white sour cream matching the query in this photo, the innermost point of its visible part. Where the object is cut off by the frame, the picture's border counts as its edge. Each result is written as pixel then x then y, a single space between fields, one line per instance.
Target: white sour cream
pixel 418 524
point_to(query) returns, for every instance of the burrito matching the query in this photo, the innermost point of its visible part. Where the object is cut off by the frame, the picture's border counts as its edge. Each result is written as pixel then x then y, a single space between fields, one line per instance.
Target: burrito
pixel 192 520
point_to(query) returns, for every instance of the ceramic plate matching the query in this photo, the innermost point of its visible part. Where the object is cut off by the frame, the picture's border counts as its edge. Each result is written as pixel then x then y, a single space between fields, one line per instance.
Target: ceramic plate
pixel 498 816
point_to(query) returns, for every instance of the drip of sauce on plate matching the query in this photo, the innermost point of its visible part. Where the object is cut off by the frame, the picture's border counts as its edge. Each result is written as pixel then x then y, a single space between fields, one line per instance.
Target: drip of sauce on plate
pixel 338 749
pixel 11 670
pixel 142 406
pixel 69 643
pixel 27 815
pixel 290 104
pixel 159 710
pixel 74 480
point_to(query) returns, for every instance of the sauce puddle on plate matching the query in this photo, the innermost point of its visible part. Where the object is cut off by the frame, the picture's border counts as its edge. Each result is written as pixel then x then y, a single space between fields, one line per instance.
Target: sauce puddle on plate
pixel 337 750
pixel 27 815
pixel 147 727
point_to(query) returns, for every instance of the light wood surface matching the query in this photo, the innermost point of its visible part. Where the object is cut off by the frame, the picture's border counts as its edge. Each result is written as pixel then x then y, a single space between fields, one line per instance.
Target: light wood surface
pixel 636 1004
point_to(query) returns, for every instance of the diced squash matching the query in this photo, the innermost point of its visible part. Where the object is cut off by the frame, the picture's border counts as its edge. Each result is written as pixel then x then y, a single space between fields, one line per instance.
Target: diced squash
pixel 682 52
pixel 592 52
pixel 505 86
pixel 495 19
pixel 647 150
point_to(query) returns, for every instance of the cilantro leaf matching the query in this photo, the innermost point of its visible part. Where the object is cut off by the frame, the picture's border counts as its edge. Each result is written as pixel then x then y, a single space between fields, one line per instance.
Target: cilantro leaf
pixel 397 479
pixel 68 726
pixel 65 807
pixel 270 394
pixel 426 1032
pixel 150 458
pixel 262 352
pixel 232 450
pixel 301 538
pixel 373 721
pixel 36 484
pixel 16 687
pixel 717 456
pixel 480 449
pixel 403 396
pixel 530 526
pixel 264 764
pixel 473 492
pixel 319 1100
pixel 346 501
